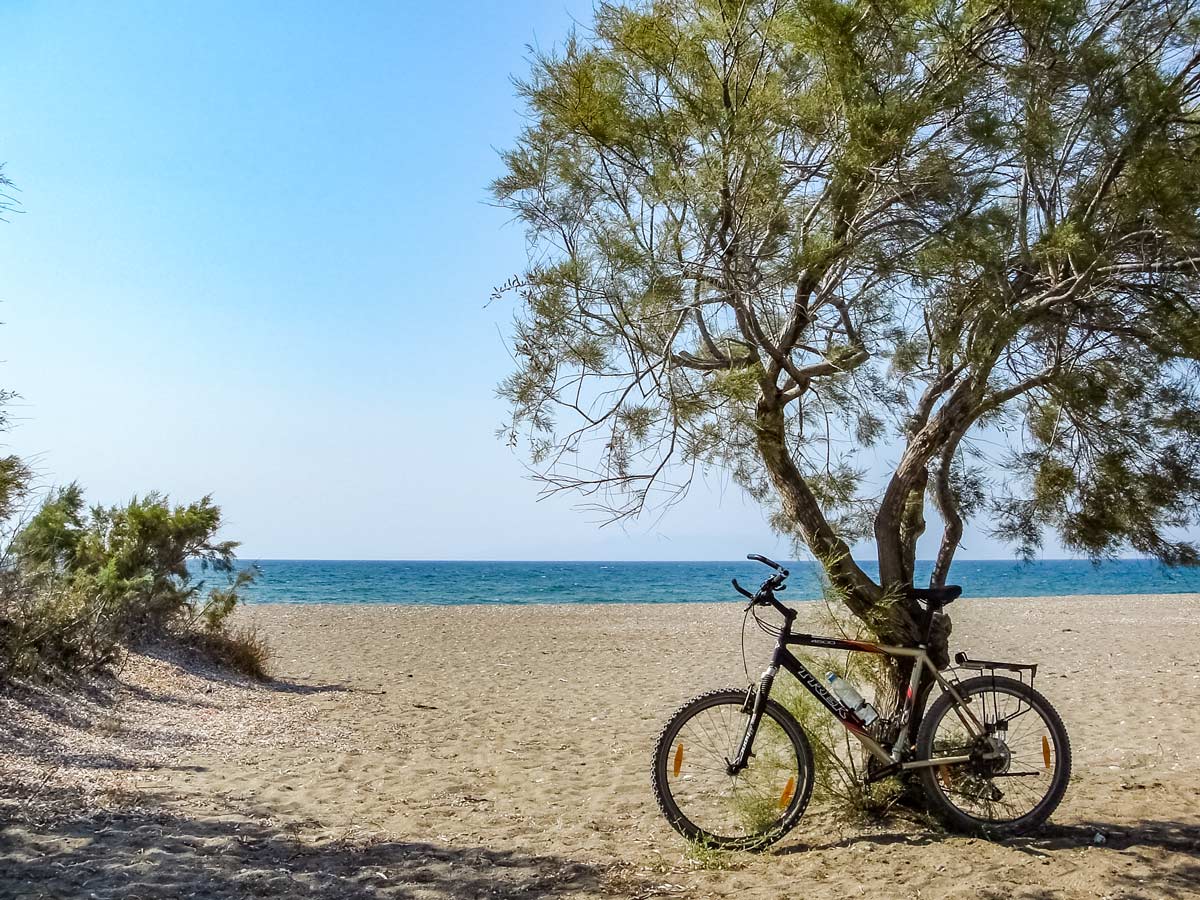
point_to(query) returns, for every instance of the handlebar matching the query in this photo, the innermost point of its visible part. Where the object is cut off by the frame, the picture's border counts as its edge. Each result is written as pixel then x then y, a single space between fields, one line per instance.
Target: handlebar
pixel 767 562
pixel 765 595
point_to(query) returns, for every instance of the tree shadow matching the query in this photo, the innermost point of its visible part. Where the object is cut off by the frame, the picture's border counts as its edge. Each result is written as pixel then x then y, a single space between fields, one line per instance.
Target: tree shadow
pixel 28 730
pixel 162 854
pixel 40 720
pixel 149 695
pixel 1172 879
pixel 33 713
pixel 1161 834
pixel 281 686
pixel 1169 848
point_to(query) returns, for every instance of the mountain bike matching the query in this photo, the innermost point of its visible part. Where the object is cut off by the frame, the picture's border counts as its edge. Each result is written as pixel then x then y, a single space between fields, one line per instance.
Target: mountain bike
pixel 733 769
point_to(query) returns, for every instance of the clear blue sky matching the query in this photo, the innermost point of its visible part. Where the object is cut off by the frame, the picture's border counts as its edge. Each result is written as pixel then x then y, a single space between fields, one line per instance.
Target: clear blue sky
pixel 253 260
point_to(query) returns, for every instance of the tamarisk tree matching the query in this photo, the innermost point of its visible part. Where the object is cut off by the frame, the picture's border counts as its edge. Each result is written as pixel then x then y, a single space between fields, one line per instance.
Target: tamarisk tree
pixel 766 235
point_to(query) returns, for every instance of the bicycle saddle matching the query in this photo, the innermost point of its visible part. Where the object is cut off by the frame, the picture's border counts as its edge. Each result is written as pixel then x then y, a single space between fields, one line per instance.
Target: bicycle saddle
pixel 937 596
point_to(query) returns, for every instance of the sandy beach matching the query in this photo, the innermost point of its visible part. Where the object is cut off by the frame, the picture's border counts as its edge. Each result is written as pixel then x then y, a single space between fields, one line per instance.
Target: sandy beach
pixel 487 751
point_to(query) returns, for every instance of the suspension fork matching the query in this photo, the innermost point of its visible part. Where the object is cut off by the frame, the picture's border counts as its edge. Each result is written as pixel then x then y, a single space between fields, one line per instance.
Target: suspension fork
pixel 761 693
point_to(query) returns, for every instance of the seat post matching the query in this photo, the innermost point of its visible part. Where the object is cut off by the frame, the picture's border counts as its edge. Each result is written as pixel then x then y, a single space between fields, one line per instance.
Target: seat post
pixel 935 600
pixel 931 611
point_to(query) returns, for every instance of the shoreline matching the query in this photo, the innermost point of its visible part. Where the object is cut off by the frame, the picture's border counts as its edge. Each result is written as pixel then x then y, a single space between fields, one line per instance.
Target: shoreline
pixel 604 604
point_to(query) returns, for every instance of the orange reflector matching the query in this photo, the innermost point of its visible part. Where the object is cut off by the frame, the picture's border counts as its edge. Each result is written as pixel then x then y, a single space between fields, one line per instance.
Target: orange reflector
pixel 944 774
pixel 678 760
pixel 788 790
pixel 1046 750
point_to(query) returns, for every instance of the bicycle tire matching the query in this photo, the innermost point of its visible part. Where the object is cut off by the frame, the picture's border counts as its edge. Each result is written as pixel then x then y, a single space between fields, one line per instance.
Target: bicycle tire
pixel 667 771
pixel 1053 743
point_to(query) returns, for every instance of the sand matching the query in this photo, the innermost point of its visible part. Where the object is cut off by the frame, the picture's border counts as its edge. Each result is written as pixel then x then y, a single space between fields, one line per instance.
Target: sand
pixel 461 752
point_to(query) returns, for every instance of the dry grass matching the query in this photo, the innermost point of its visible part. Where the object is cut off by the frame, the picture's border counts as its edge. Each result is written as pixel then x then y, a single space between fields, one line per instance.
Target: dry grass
pixel 707 858
pixel 244 650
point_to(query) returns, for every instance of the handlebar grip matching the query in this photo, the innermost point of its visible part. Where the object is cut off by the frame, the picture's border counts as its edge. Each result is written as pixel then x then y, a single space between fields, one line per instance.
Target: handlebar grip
pixel 767 562
pixel 741 590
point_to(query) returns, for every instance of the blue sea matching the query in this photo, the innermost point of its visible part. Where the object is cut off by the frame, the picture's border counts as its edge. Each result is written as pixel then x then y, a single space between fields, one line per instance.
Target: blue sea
pixel 455 583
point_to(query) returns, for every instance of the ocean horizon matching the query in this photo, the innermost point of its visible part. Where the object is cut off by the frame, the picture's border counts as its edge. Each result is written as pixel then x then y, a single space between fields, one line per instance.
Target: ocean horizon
pixel 523 582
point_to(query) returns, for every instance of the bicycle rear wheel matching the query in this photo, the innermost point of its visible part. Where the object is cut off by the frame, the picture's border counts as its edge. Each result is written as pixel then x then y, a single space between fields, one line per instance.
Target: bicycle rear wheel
pixel 1029 758
pixel 699 797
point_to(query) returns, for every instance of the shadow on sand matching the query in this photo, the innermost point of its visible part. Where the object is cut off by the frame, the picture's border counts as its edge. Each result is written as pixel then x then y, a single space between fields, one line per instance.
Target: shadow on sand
pixel 1173 836
pixel 94 705
pixel 163 855
pixel 56 845
pixel 1177 874
pixel 193 662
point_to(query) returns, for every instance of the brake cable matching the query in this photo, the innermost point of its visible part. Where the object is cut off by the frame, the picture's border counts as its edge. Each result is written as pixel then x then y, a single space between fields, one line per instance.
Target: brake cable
pixel 745 664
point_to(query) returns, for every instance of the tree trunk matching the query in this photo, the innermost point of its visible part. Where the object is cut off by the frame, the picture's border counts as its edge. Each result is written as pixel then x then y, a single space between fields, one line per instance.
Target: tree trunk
pixel 801 507
pixel 890 614
pixel 951 517
pixel 912 526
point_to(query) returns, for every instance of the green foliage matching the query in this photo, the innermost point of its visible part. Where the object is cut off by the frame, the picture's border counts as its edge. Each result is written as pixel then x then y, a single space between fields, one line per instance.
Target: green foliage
pixel 216 609
pixel 964 234
pixel 839 760
pixel 50 540
pixel 81 584
pixel 15 478
pixel 708 858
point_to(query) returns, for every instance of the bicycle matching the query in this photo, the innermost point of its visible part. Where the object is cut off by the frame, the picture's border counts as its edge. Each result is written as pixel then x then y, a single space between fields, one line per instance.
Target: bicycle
pixel 733 769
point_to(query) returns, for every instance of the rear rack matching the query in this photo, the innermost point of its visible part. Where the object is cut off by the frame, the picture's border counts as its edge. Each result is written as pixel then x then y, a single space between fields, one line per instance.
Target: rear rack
pixel 961 659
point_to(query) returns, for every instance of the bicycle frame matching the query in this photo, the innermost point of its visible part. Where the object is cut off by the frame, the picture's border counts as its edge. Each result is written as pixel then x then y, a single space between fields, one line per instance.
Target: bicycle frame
pixel 893 761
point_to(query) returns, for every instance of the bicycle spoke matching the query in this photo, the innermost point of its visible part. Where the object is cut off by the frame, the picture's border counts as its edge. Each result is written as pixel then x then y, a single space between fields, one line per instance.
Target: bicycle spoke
pixel 737 806
pixel 1016 753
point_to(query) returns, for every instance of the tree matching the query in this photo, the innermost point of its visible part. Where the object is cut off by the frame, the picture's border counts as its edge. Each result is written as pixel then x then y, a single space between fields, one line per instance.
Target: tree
pixel 767 235
pixel 8 203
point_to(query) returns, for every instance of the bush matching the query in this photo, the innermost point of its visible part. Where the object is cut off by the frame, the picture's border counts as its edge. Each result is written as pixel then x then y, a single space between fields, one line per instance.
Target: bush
pixel 55 624
pixel 840 760
pixel 78 585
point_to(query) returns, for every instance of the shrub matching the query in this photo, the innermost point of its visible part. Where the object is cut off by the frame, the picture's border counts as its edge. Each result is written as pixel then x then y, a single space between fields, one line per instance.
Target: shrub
pixel 57 624
pixel 78 585
pixel 840 760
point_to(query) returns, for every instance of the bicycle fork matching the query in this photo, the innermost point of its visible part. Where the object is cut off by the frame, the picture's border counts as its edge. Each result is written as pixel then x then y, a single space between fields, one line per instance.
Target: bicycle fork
pixel 756 699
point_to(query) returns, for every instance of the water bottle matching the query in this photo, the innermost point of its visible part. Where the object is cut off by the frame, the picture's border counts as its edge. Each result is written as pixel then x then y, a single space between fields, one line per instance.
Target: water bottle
pixel 845 692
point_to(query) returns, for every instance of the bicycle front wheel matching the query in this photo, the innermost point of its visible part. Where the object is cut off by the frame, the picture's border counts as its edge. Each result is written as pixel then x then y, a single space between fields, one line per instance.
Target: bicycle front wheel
pixel 1020 766
pixel 699 797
